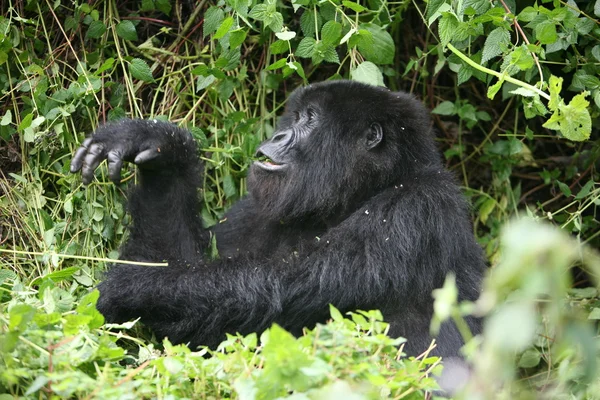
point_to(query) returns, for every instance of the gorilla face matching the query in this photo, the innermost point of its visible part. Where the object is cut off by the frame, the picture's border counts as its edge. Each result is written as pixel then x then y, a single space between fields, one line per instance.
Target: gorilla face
pixel 336 143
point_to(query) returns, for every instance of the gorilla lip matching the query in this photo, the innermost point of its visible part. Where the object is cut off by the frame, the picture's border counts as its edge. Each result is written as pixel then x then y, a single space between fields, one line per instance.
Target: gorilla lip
pixel 269 165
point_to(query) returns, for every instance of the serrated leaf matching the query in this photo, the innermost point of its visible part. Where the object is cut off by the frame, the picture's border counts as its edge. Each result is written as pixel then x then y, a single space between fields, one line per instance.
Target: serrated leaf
pixel 382 50
pixel 433 6
pixel 212 20
pixel 367 72
pixel 331 32
pixel 573 120
pixel 447 27
pixel 259 12
pixel 495 44
pixel 545 32
pixel 308 19
pixel 95 30
pixel 140 70
pixel 275 21
pixel 306 47
pixel 126 30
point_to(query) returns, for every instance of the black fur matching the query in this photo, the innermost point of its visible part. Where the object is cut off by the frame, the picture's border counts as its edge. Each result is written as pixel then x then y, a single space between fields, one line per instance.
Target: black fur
pixel 354 209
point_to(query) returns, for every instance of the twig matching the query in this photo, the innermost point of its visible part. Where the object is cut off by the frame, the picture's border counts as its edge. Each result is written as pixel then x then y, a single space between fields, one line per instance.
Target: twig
pixel 535 57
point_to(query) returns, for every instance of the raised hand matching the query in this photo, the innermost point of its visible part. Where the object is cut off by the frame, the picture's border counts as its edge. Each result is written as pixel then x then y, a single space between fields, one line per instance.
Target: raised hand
pixel 149 144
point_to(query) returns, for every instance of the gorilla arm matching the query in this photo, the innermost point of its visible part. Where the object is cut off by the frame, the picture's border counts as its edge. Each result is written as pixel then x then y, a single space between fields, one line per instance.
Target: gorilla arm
pixel 199 305
pixel 164 206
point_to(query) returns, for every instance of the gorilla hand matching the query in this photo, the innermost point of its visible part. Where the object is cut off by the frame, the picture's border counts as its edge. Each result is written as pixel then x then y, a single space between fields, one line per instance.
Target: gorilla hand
pixel 148 144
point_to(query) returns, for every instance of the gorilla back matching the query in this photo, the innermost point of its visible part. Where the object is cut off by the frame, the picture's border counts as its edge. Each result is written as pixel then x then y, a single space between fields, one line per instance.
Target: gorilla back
pixel 349 205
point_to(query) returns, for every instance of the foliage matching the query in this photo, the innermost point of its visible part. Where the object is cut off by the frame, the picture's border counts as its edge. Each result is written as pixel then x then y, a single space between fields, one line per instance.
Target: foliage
pixel 54 345
pixel 534 320
pixel 515 96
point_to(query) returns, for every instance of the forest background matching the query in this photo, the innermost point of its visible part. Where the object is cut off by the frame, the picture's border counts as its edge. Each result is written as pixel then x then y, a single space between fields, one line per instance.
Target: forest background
pixel 514 89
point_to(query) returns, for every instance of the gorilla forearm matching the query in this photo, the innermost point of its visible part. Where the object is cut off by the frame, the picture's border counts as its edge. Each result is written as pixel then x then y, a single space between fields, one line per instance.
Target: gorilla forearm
pixel 164 205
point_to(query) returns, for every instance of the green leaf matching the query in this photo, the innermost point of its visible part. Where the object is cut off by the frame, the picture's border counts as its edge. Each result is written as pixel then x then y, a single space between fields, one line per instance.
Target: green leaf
pixel 492 90
pixel 224 27
pixel 106 65
pixel 277 64
pixel 585 190
pixel 126 30
pixel 212 20
pixel 495 44
pixel 140 70
pixel 530 358
pixel 367 72
pixel 274 21
pixel 353 6
pixel 383 48
pixel 545 32
pixel 445 108
pixel 279 47
pixel 528 14
pixel 554 87
pixel 486 209
pixel 595 314
pixel 573 120
pixel 237 37
pixel 95 30
pixel 331 32
pixel 308 20
pixel 564 188
pixel 259 12
pixel 447 27
pixel 306 47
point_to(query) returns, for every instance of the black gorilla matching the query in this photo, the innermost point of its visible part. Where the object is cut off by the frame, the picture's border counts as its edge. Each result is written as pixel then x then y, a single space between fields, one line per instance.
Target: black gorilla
pixel 349 205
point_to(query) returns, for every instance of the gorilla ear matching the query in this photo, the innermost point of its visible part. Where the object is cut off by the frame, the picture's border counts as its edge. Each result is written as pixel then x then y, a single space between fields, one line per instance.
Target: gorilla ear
pixel 374 136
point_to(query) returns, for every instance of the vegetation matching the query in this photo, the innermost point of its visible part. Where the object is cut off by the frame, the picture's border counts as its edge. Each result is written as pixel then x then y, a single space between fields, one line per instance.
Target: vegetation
pixel 515 91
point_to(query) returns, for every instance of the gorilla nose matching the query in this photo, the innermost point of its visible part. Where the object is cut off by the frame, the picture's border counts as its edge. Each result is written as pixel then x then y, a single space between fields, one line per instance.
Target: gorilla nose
pixel 279 137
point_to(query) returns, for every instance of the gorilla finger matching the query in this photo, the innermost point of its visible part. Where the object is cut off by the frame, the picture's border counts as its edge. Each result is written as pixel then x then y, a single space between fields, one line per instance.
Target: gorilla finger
pixel 115 163
pixel 80 153
pixel 147 155
pixel 91 161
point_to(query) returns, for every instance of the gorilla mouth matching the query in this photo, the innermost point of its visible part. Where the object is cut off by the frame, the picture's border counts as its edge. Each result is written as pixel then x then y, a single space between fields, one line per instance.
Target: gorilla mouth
pixel 265 162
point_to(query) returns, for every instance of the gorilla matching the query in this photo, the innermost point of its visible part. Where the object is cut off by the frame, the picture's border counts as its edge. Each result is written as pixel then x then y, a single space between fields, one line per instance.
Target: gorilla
pixel 349 204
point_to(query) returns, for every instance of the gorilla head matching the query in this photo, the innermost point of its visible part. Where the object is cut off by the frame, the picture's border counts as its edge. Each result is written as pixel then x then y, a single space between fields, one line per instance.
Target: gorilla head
pixel 376 136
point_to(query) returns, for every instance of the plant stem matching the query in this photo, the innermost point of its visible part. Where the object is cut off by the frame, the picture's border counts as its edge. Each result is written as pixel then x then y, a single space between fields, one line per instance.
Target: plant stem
pixel 497 74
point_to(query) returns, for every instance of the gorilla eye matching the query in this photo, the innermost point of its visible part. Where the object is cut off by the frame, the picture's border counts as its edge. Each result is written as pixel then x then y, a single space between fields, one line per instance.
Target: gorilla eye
pixel 310 114
pixel 296 116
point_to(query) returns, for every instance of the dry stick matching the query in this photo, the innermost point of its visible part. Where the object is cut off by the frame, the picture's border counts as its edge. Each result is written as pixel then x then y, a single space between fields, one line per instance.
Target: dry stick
pixel 110 260
pixel 535 57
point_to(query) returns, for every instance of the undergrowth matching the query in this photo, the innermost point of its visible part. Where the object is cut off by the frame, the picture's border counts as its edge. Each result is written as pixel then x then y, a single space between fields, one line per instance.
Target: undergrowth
pixel 515 95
